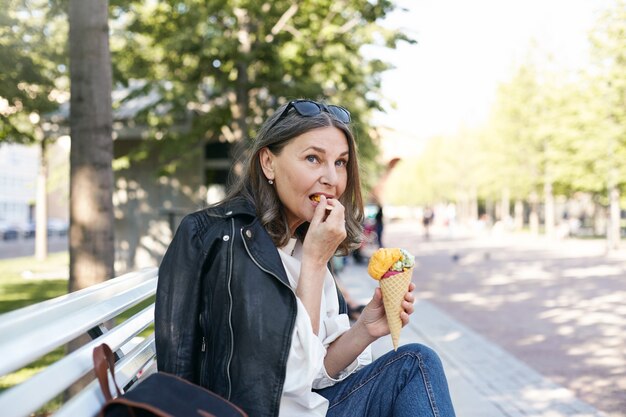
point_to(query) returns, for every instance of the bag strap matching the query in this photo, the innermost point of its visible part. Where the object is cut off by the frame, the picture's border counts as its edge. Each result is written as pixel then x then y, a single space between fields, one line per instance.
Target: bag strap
pixel 103 359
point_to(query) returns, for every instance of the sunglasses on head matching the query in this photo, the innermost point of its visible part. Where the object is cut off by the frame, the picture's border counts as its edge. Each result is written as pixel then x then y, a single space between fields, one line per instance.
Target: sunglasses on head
pixel 309 108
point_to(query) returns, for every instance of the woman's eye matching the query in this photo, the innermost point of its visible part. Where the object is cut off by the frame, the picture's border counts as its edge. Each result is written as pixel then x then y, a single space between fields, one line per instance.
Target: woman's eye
pixel 312 158
pixel 341 163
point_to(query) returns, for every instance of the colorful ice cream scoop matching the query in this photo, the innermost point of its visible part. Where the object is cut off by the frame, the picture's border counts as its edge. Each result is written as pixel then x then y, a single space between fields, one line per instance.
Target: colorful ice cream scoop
pixel 389 261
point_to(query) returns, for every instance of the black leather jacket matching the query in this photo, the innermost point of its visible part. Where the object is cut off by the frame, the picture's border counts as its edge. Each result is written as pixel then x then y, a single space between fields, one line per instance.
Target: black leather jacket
pixel 225 312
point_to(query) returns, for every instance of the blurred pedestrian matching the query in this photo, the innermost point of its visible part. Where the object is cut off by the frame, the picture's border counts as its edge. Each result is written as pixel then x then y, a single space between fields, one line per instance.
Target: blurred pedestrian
pixel 379 225
pixel 427 220
pixel 358 255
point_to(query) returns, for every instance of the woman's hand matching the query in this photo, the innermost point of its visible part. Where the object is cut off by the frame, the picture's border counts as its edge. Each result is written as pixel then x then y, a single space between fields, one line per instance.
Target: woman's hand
pixel 327 230
pixel 371 325
pixel 373 317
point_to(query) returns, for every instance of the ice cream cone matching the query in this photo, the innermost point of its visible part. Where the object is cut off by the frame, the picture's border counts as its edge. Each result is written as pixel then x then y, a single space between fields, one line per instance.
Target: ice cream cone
pixel 393 289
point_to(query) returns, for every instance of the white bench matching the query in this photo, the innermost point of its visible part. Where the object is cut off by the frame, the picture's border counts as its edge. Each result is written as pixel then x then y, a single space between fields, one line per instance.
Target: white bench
pixel 31 332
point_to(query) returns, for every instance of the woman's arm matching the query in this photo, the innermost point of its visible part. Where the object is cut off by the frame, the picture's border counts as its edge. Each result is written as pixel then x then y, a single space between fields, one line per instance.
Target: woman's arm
pixel 371 325
pixel 177 303
pixel 309 290
pixel 325 233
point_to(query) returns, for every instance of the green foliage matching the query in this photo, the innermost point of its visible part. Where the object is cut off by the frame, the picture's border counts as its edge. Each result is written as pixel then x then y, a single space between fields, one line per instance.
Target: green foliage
pixel 33 68
pixel 219 68
pixel 516 119
pixel 609 46
pixel 222 67
pixel 428 178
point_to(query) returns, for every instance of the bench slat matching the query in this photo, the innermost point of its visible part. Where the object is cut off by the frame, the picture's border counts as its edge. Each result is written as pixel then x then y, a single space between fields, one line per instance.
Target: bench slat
pixel 60 322
pixel 13 321
pixel 22 400
pixel 89 401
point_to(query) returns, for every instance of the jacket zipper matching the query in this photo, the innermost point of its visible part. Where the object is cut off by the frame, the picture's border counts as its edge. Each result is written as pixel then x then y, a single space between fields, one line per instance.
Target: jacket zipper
pixel 279 280
pixel 230 307
pixel 203 361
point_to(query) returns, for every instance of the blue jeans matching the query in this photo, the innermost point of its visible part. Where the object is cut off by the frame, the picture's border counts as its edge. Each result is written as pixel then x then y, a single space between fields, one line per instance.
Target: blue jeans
pixel 407 382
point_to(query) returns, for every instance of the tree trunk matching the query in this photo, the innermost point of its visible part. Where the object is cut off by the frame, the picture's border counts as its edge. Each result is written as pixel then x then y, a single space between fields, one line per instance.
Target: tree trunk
pixel 490 211
pixel 533 219
pixel 505 207
pixel 473 204
pixel 91 174
pixel 614 227
pixel 549 210
pixel 519 215
pixel 41 206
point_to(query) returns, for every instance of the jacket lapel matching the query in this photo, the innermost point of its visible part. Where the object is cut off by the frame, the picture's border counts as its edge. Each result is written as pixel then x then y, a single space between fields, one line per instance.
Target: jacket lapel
pixel 263 251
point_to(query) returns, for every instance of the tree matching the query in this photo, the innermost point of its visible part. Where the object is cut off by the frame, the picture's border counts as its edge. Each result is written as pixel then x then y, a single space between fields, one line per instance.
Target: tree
pixel 609 47
pixel 560 131
pixel 515 118
pixel 91 174
pixel 33 84
pixel 221 66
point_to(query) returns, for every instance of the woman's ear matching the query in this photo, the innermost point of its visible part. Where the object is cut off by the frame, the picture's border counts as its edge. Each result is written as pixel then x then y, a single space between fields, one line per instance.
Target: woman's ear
pixel 266 158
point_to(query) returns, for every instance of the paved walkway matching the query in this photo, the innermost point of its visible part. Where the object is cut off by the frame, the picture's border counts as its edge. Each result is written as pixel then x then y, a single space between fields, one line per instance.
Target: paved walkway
pixel 26 247
pixel 485 381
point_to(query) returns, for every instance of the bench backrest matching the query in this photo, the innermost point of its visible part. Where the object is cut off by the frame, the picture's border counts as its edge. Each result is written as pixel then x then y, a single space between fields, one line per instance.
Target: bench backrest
pixel 31 332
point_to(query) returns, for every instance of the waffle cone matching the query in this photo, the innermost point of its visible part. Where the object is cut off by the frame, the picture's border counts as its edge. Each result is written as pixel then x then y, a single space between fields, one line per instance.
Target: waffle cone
pixel 393 289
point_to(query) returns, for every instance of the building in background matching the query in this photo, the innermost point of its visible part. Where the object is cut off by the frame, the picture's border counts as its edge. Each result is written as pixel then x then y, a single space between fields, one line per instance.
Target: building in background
pixel 59 181
pixel 150 203
pixel 19 166
pixel 18 172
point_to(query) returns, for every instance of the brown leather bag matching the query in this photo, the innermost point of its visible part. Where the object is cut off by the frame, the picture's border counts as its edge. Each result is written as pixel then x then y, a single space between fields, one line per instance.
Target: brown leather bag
pixel 161 395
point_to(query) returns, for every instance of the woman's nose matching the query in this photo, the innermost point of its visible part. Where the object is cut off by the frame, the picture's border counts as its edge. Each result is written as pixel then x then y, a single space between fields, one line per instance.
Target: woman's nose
pixel 329 176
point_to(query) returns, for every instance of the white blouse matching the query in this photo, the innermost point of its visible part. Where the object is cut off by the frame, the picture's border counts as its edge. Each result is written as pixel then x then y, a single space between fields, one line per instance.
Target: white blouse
pixel 305 364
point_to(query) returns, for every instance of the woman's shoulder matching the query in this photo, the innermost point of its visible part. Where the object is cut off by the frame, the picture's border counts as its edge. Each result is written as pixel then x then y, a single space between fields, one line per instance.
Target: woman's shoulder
pixel 218 214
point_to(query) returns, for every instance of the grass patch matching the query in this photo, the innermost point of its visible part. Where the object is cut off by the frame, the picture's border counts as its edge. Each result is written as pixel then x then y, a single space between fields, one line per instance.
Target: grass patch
pixel 25 281
pixel 11 269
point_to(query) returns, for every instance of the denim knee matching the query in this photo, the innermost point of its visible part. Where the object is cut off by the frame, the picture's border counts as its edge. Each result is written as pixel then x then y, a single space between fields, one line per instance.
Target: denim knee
pixel 409 381
pixel 426 354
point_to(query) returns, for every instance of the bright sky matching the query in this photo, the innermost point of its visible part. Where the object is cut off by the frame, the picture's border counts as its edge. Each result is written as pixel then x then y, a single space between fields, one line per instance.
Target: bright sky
pixel 448 79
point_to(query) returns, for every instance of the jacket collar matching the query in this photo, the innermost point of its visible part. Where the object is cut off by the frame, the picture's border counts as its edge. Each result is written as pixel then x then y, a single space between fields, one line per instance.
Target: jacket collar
pixel 238 207
pixel 256 238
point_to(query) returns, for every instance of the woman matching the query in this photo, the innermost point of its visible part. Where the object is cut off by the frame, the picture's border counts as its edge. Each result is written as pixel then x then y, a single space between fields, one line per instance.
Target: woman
pixel 247 307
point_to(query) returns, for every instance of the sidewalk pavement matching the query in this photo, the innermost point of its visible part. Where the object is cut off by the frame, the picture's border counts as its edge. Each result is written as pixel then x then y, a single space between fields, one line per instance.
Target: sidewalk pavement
pixel 484 380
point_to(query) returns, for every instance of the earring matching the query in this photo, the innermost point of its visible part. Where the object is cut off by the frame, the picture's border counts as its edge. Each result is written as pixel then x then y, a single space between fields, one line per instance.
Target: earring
pixel 270 182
